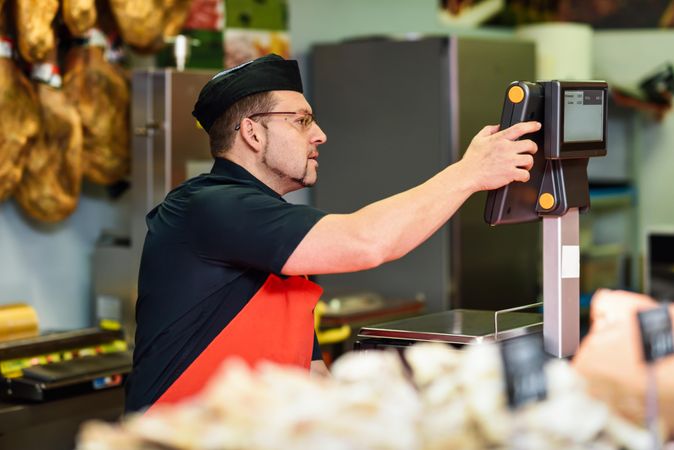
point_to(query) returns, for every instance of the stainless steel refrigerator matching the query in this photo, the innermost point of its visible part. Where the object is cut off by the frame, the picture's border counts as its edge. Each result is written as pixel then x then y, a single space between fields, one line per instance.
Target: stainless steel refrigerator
pixel 398 111
pixel 168 144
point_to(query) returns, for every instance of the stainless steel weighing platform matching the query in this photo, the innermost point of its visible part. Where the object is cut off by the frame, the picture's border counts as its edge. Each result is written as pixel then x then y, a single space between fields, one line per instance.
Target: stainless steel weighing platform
pixel 457 327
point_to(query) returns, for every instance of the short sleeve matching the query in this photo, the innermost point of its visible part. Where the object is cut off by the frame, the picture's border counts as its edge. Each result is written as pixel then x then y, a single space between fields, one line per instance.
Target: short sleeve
pixel 245 227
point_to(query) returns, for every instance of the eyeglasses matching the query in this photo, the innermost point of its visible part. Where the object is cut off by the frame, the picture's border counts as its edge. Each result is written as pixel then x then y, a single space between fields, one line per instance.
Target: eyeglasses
pixel 305 119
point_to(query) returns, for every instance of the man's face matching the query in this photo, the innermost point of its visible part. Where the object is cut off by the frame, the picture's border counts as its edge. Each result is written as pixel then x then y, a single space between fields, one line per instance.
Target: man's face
pixel 291 149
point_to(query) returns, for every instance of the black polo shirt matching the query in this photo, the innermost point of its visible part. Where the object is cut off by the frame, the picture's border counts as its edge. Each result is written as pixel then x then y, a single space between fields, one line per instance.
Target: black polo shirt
pixel 210 246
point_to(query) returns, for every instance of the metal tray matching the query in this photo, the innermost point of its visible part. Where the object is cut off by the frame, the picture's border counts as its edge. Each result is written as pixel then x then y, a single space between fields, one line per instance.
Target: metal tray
pixel 460 326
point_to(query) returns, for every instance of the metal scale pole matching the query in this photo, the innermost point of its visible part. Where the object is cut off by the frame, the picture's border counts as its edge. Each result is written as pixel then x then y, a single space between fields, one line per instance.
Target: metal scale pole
pixel 561 284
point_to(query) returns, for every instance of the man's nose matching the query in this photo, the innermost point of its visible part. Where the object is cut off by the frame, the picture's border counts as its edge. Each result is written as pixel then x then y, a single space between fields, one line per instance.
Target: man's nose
pixel 319 137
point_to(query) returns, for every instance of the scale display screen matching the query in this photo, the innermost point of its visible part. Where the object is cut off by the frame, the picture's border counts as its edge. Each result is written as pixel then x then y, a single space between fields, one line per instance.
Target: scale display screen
pixel 583 116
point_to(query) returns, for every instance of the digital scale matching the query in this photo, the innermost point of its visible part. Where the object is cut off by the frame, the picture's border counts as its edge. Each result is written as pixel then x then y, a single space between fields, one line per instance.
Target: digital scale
pixel 574 119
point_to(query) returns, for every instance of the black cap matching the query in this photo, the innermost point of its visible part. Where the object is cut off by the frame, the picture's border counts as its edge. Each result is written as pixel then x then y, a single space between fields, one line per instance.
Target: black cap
pixel 268 73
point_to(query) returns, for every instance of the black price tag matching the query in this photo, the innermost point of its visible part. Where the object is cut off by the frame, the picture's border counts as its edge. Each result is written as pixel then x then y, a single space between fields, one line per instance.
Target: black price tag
pixel 523 361
pixel 656 333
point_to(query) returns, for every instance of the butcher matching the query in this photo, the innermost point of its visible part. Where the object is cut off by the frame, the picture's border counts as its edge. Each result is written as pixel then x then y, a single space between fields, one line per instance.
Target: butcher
pixel 225 262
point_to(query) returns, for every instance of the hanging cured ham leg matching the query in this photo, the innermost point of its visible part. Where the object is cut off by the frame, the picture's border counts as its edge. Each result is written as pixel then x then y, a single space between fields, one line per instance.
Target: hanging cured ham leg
pixel 34 20
pixel 101 96
pixel 175 17
pixel 20 119
pixel 145 24
pixel 52 177
pixel 140 22
pixel 79 15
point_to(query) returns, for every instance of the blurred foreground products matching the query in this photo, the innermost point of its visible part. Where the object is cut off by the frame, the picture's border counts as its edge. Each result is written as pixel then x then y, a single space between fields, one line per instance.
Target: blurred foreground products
pixel 449 399
pixel 611 359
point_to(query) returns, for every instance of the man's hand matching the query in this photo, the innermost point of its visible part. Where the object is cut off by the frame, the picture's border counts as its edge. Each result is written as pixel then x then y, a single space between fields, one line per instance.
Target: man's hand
pixel 495 158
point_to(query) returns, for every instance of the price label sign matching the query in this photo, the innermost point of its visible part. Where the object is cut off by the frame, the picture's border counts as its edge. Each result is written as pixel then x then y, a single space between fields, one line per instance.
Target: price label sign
pixel 656 333
pixel 523 360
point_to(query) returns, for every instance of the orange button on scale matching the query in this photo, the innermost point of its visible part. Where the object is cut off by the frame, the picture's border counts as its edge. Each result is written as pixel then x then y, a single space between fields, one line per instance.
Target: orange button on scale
pixel 516 94
pixel 546 200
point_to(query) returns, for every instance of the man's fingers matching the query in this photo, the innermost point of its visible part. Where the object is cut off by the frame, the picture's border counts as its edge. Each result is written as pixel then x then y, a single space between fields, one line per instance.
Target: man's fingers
pixel 488 130
pixel 526 146
pixel 525 161
pixel 522 175
pixel 520 129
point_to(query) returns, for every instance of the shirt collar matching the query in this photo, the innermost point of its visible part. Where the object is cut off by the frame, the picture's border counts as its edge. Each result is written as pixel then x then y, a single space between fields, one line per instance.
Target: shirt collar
pixel 227 168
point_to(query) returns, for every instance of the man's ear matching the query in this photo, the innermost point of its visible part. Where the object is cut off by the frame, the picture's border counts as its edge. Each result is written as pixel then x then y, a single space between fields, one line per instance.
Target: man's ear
pixel 251 133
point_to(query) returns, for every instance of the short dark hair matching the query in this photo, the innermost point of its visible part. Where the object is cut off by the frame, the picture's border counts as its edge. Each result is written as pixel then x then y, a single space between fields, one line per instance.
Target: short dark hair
pixel 222 132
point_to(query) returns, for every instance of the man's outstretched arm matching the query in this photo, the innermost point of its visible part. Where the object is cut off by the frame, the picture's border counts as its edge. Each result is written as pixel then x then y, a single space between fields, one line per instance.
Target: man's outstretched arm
pixel 388 229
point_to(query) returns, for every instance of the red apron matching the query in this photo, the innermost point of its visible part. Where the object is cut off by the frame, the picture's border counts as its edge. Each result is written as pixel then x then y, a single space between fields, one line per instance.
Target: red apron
pixel 276 325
